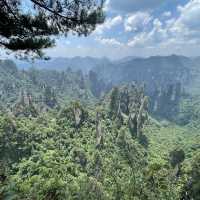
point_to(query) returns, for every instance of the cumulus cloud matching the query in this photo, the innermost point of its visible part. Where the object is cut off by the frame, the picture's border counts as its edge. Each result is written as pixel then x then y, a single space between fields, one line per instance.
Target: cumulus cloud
pixel 109 41
pixel 157 35
pixel 167 14
pixel 190 15
pixel 137 21
pixel 137 29
pixel 108 24
pixel 185 29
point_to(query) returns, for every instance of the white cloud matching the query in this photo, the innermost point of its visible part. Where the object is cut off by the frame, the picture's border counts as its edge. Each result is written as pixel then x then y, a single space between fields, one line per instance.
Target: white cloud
pixel 186 27
pixel 157 24
pixel 109 41
pixel 106 5
pixel 174 32
pixel 138 41
pixel 190 15
pixel 167 14
pixel 108 24
pixel 152 38
pixel 162 34
pixel 137 21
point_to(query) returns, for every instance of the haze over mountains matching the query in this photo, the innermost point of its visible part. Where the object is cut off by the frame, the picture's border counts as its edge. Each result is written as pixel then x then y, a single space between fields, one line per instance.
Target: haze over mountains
pixel 152 70
pixel 85 64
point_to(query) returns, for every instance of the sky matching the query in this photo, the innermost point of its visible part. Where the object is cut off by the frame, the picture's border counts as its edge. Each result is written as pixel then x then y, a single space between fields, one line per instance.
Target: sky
pixel 139 28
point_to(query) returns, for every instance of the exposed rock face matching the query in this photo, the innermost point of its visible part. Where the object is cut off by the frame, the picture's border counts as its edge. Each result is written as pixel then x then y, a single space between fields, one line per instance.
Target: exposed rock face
pixel 142 115
pixel 25 106
pixel 132 106
pixel 77 116
pixel 153 71
pixel 99 131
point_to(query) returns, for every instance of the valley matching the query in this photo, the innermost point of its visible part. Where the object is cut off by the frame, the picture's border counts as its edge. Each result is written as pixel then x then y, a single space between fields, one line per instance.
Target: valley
pixel 70 128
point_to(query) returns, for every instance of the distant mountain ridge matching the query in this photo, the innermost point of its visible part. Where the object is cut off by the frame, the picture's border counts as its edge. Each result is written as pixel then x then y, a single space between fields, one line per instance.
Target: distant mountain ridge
pixel 166 79
pixel 85 64
pixel 154 70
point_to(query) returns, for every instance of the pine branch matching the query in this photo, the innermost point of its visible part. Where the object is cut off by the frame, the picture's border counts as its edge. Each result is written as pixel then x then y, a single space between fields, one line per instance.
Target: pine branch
pixel 54 12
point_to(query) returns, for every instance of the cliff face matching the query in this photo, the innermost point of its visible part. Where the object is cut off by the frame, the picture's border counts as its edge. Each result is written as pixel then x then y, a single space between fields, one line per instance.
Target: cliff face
pixel 153 71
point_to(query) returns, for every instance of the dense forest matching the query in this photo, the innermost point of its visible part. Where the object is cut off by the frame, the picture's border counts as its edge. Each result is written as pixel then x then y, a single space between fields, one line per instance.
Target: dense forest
pixel 74 135
pixel 106 128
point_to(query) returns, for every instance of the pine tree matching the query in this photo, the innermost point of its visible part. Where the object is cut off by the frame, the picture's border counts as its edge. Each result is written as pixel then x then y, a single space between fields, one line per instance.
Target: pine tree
pixel 30 32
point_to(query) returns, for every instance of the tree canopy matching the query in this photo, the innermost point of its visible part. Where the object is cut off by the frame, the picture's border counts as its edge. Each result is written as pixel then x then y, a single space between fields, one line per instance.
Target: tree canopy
pixel 28 32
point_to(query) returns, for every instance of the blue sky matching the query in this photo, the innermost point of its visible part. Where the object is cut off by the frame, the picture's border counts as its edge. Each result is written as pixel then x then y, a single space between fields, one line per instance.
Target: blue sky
pixel 139 28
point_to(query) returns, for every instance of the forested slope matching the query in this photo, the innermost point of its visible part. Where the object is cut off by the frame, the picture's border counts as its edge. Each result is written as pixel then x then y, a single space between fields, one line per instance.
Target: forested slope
pixel 111 152
pixel 51 88
pixel 68 135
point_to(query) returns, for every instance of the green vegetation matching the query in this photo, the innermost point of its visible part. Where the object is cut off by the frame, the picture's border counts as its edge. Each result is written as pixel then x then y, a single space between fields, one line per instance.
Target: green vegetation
pixel 42 88
pixel 69 135
pixel 29 32
pixel 103 130
pixel 113 150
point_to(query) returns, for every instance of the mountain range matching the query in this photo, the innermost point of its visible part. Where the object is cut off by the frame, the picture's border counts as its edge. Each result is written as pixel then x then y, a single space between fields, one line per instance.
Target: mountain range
pixel 153 71
pixel 166 79
pixel 85 64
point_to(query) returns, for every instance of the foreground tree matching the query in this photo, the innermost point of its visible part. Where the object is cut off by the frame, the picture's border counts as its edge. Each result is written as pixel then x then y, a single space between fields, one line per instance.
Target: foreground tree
pixel 29 32
pixel 192 186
